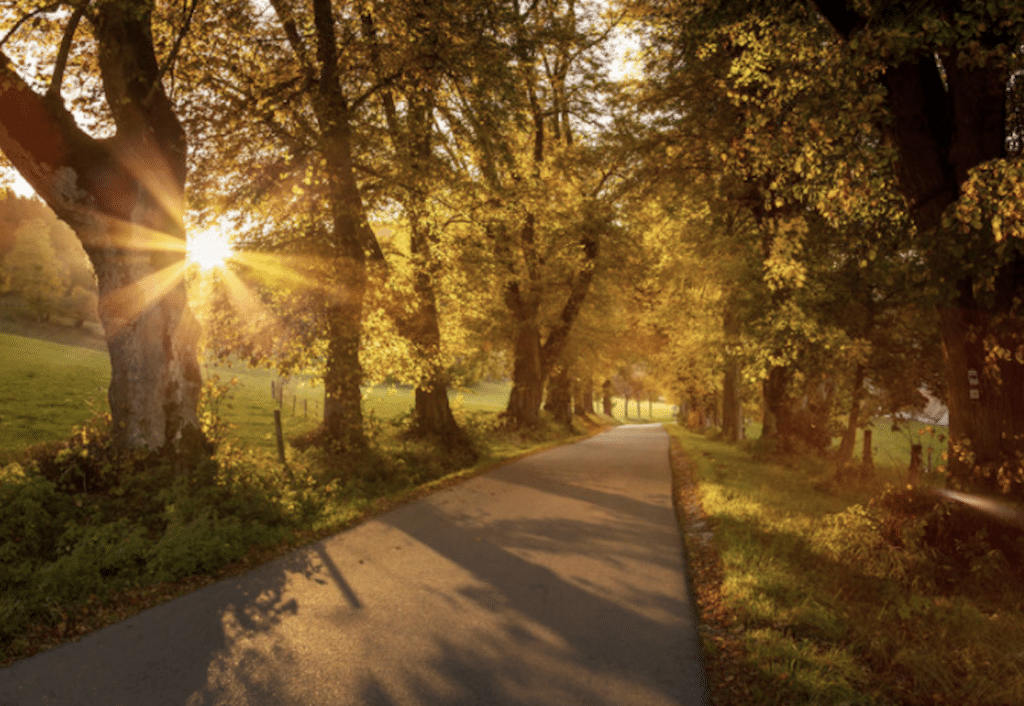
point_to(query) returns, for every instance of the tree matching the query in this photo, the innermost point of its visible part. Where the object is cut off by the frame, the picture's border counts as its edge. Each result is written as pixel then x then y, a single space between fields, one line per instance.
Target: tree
pixel 417 175
pixel 954 106
pixel 544 204
pixel 286 139
pixel 32 269
pixel 123 196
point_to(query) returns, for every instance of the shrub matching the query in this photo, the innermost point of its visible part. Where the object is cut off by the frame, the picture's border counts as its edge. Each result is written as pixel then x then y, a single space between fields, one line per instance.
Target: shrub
pixel 32 511
pixel 202 543
pixel 856 537
pixel 95 560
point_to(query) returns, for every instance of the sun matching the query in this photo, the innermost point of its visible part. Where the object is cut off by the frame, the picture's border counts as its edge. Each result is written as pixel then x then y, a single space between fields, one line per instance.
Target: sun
pixel 208 249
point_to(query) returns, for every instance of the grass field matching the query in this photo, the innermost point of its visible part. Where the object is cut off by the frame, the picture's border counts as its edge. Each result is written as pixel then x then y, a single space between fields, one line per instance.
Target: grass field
pixel 48 388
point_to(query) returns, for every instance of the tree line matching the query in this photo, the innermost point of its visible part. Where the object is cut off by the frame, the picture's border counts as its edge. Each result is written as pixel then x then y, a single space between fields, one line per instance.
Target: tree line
pixel 809 206
pixel 42 264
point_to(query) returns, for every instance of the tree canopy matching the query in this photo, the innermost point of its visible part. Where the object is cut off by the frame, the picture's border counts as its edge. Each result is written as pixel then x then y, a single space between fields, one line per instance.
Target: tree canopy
pixel 804 212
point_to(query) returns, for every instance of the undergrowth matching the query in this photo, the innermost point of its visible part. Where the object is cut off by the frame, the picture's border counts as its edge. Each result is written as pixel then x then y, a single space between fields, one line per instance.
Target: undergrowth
pixel 870 595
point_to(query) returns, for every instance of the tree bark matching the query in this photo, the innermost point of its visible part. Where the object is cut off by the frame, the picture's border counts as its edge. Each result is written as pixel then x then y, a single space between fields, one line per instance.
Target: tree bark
pixel 123 197
pixel 777 406
pixel 731 404
pixel 527 376
pixel 986 422
pixel 867 458
pixel 845 451
pixel 587 395
pixel 606 398
pixel 559 398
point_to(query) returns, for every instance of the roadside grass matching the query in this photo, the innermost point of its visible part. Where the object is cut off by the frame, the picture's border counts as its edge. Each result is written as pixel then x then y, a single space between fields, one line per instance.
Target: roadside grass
pixel 812 604
pixel 87 540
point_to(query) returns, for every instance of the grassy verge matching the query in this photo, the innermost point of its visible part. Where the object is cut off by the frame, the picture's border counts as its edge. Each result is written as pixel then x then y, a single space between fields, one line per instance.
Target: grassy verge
pixel 810 597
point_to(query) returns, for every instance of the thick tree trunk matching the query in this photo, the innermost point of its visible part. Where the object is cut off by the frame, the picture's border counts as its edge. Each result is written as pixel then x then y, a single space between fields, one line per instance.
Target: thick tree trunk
pixel 845 451
pixel 124 199
pixel 559 398
pixel 777 406
pixel 606 398
pixel 343 414
pixel 527 377
pixel 986 418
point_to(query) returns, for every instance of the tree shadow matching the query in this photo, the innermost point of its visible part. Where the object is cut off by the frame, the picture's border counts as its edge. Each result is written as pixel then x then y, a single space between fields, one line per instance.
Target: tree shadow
pixel 421 606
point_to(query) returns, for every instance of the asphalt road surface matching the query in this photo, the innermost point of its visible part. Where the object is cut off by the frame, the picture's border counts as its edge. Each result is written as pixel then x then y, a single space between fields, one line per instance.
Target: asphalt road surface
pixel 557 579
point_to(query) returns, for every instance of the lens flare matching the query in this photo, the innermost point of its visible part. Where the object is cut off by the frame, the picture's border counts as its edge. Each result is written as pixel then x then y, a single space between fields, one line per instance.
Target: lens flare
pixel 208 249
pixel 1005 512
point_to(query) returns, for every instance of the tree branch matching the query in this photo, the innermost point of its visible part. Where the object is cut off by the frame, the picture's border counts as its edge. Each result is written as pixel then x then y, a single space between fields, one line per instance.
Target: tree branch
pixel 44 10
pixel 53 92
pixel 173 55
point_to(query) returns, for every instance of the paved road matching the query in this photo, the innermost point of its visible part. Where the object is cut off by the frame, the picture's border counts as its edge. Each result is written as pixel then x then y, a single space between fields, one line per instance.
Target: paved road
pixel 555 580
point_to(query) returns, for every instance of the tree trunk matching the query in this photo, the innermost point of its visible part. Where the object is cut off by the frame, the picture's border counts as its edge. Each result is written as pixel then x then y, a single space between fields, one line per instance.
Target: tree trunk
pixel 986 412
pixel 914 470
pixel 776 406
pixel 845 451
pixel 867 457
pixel 559 399
pixel 124 198
pixel 731 405
pixel 527 378
pixel 579 396
pixel 343 413
pixel 352 242
pixel 606 398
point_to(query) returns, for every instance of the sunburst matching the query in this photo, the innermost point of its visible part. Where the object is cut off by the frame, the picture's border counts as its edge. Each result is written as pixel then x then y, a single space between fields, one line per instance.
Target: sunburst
pixel 208 249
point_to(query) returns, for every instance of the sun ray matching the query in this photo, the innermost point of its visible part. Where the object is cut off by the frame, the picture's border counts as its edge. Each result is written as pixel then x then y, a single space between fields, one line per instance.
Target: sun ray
pixel 126 304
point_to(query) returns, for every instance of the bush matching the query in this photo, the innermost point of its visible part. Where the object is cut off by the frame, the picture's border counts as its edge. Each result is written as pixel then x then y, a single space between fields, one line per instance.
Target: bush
pixel 85 463
pixel 95 560
pixel 856 537
pixel 202 544
pixel 32 513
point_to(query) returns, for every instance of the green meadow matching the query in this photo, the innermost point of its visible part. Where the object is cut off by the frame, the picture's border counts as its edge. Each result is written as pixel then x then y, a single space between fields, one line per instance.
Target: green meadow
pixel 47 388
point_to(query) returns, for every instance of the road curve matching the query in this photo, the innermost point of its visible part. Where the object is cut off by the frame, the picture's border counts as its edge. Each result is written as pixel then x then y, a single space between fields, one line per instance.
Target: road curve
pixel 557 579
